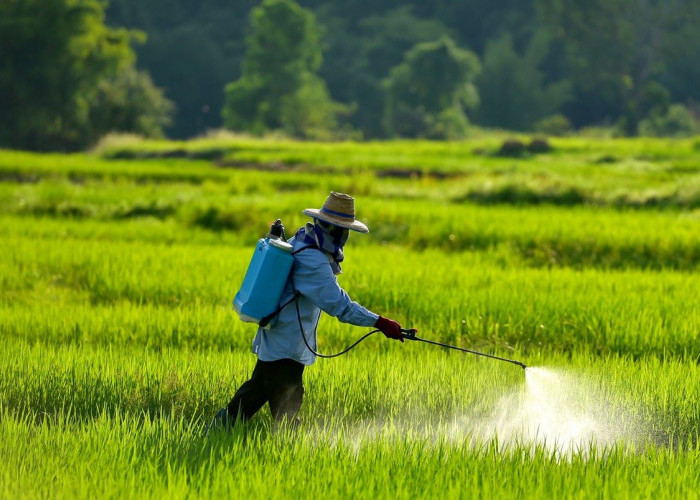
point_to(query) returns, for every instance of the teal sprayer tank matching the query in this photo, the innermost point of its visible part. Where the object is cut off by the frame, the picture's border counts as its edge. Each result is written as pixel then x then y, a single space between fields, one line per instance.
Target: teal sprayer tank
pixel 264 281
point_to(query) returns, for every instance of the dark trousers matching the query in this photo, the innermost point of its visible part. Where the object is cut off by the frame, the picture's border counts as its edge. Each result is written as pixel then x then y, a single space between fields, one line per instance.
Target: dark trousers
pixel 276 382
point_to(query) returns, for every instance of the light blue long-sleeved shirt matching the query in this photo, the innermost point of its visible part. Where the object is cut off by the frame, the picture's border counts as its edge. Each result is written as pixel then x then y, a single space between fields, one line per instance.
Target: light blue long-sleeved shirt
pixel 319 289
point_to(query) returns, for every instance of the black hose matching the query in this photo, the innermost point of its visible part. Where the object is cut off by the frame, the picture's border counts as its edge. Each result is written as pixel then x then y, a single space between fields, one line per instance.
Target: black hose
pixel 303 335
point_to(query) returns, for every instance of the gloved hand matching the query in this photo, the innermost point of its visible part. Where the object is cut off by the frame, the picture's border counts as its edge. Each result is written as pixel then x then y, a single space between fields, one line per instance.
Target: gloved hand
pixel 390 328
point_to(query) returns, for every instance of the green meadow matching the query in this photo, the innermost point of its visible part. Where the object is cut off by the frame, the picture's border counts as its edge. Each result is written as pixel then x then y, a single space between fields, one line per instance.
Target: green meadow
pixel 119 344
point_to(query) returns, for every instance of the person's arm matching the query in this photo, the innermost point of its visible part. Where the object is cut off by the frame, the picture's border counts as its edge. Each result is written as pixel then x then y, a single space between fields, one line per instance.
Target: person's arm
pixel 314 279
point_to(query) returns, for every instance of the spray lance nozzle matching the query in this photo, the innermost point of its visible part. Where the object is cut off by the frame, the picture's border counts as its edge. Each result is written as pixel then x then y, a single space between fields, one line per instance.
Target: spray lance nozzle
pixel 410 334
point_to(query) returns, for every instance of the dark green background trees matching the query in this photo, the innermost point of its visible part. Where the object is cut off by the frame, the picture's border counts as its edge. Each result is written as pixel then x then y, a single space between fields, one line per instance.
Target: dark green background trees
pixel 513 90
pixel 317 68
pixel 63 73
pixel 625 56
pixel 614 62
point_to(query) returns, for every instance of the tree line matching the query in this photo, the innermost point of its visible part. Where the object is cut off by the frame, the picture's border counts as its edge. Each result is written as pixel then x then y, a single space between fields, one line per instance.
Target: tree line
pixel 70 70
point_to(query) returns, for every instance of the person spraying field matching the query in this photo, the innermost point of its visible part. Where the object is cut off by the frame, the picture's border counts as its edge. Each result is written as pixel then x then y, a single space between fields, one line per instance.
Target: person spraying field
pixel 285 342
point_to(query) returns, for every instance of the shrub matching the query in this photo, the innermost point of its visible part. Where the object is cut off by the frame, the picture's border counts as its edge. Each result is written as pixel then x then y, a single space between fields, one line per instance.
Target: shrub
pixel 450 124
pixel 678 121
pixel 539 146
pixel 512 148
pixel 557 125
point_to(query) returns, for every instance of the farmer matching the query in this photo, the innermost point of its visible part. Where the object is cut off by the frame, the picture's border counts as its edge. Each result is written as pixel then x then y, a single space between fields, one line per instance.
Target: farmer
pixel 281 350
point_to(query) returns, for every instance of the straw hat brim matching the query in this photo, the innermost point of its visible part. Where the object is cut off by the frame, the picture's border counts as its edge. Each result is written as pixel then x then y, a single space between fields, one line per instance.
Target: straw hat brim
pixel 354 225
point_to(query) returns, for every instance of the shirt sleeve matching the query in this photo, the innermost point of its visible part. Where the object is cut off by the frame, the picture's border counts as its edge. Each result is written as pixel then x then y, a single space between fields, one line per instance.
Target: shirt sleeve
pixel 314 279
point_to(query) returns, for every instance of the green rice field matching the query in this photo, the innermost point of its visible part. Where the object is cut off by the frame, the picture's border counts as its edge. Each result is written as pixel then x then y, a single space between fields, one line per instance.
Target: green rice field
pixel 119 344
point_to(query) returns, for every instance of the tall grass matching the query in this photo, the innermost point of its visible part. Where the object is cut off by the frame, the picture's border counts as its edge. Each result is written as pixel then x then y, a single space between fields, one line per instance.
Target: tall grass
pixel 638 173
pixel 119 343
pixel 105 422
pixel 62 289
pixel 576 236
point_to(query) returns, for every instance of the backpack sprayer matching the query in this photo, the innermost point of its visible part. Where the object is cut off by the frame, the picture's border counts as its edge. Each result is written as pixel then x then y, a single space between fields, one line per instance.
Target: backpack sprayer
pixel 258 300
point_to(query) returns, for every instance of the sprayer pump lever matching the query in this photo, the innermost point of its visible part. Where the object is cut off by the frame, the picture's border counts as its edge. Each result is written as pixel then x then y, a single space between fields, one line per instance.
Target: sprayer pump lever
pixel 409 333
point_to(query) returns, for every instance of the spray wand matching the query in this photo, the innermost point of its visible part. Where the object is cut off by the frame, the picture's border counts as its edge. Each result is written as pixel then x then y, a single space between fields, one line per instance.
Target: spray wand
pixel 410 334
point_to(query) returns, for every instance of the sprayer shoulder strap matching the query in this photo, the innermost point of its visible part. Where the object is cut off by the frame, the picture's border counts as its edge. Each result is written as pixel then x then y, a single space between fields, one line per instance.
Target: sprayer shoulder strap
pixel 305 248
pixel 264 321
pixel 296 293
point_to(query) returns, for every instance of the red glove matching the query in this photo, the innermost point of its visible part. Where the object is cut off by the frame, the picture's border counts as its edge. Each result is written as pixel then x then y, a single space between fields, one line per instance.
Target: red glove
pixel 390 328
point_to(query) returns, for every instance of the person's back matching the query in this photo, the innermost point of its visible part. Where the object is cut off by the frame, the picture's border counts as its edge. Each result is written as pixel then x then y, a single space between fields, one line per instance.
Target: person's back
pixel 313 279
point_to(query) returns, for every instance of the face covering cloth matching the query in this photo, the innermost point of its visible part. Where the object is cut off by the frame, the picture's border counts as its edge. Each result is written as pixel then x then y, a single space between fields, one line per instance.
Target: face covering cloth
pixel 328 239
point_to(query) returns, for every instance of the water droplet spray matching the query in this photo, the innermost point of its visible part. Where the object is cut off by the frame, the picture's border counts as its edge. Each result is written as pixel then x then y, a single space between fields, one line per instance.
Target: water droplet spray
pixel 560 411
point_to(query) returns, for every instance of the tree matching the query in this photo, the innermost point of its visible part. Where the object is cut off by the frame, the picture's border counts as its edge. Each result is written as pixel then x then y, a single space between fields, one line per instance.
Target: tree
pixel 618 49
pixel 681 54
pixel 612 51
pixel 54 54
pixel 194 49
pixel 360 56
pixel 429 92
pixel 512 89
pixel 129 102
pixel 193 71
pixel 476 22
pixel 279 87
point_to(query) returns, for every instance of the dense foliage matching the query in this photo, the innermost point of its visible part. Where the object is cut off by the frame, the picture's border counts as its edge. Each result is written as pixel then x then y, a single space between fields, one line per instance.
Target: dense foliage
pixel 610 63
pixel 428 93
pixel 66 78
pixel 338 70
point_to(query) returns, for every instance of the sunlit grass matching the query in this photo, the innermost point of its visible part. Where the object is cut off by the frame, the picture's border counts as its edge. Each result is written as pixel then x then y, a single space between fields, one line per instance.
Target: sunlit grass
pixel 104 420
pixel 119 343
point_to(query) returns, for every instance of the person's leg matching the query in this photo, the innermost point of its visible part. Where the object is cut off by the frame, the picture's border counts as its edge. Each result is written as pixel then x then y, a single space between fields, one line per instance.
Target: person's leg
pixel 250 396
pixel 285 389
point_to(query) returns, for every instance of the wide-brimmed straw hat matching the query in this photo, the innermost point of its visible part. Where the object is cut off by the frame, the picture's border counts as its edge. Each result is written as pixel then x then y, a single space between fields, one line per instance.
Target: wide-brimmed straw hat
pixel 339 209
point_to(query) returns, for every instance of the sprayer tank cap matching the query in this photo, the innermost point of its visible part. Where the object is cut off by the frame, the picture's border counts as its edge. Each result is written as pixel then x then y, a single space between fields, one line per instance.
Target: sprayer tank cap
pixel 282 245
